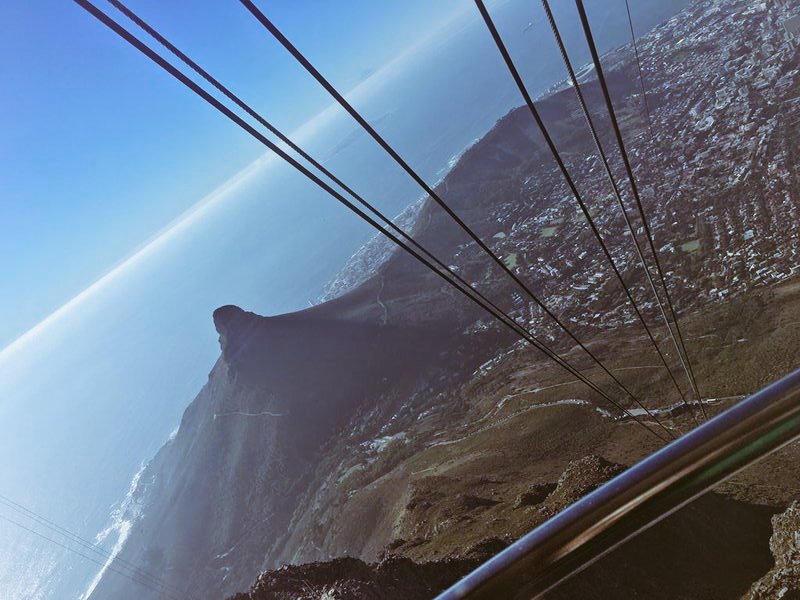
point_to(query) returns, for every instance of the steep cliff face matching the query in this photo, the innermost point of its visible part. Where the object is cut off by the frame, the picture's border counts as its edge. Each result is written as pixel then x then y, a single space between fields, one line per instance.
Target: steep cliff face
pixel 221 495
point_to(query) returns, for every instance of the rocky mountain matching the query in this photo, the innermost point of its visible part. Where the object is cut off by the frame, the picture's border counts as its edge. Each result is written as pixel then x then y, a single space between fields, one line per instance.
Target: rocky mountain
pixel 396 420
pixel 696 541
pixel 249 446
pixel 783 580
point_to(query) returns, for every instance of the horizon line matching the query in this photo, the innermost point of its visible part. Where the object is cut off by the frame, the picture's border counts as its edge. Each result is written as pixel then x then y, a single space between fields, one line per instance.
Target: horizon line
pixel 194 212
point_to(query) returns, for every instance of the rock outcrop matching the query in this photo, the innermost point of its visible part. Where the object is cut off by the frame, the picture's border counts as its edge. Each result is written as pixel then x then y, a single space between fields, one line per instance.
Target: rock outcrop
pixel 250 444
pixel 783 581
pixel 691 555
pixel 353 579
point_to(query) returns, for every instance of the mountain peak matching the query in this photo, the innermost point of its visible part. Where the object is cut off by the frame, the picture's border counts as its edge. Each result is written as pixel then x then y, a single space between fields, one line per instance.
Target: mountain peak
pixel 232 323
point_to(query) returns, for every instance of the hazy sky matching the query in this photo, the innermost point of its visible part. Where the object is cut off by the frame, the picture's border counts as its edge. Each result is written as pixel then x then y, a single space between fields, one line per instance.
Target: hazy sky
pixel 100 149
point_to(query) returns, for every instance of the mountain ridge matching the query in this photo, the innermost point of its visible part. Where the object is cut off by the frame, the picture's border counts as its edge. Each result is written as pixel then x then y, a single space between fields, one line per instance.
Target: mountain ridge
pixel 416 396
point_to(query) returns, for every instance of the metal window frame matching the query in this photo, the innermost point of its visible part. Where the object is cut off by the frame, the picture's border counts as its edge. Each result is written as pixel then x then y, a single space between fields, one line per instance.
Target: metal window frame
pixel 640 497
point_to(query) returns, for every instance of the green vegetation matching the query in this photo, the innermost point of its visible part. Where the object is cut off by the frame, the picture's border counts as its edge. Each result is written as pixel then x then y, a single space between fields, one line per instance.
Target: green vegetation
pixel 691 246
pixel 548 231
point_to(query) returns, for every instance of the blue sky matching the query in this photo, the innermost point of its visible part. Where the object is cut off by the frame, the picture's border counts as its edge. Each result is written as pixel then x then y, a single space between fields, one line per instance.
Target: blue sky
pixel 100 149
